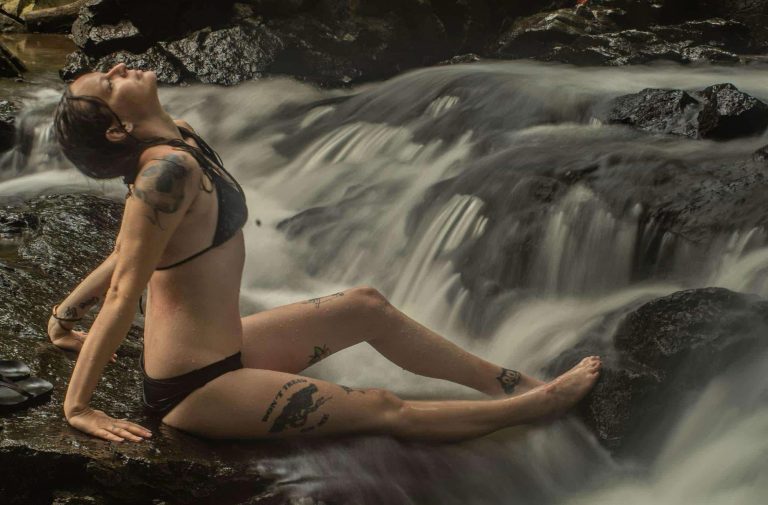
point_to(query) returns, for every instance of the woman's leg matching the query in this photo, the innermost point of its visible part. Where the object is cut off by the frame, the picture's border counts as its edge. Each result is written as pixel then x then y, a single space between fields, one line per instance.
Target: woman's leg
pixel 250 403
pixel 292 337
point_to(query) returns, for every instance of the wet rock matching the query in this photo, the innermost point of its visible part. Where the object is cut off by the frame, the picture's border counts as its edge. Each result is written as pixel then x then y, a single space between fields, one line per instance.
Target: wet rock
pixel 461 59
pixel 593 36
pixel 8 113
pixel 661 356
pixel 226 56
pixel 44 460
pixel 104 26
pixel 718 112
pixel 729 113
pixel 658 111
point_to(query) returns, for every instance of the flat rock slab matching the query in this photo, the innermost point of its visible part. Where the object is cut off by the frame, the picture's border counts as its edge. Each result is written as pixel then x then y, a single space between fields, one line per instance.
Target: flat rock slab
pixel 42 457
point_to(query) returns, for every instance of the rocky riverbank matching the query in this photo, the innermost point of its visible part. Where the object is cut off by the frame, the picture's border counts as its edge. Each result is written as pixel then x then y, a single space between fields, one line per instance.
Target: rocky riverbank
pixel 339 42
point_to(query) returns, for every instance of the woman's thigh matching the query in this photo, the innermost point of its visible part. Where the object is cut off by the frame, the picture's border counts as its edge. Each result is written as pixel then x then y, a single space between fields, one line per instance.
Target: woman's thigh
pixel 292 337
pixel 251 403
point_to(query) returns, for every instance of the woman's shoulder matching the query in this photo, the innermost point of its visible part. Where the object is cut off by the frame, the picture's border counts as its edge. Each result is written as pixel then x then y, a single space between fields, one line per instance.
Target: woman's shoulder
pixel 165 159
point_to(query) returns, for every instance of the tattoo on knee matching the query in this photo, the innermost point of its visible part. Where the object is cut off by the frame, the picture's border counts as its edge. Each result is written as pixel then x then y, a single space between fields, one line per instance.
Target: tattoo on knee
pixel 299 406
pixel 319 353
pixel 509 379
pixel 323 299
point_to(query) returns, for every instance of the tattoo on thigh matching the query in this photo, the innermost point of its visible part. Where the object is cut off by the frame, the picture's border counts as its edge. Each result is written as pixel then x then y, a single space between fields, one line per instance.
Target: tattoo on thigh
pixel 161 186
pixel 288 385
pixel 319 353
pixel 509 379
pixel 295 413
pixel 323 299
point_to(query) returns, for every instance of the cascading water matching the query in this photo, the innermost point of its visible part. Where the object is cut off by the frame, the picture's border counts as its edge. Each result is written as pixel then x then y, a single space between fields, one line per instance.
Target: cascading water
pixel 350 188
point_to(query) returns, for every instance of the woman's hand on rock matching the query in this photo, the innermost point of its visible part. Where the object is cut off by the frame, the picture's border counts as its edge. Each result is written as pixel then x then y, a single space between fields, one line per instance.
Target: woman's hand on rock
pixel 97 423
pixel 68 340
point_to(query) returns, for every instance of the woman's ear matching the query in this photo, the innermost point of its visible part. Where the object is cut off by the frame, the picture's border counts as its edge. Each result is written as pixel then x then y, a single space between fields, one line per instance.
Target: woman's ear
pixel 117 134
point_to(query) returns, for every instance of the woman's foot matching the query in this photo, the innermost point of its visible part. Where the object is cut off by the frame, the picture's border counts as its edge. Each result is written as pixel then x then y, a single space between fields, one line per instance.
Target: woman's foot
pixel 558 396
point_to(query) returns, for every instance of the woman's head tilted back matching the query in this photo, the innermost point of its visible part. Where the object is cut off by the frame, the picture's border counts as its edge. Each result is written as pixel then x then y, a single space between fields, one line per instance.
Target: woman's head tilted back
pixel 98 120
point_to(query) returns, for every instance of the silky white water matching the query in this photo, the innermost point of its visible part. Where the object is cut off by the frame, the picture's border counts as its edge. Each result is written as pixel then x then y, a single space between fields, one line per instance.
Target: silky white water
pixel 359 168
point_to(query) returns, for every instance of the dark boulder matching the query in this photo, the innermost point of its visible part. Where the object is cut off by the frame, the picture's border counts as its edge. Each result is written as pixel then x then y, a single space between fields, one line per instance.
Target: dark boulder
pixel 729 113
pixel 717 112
pixel 104 26
pixel 602 34
pixel 658 111
pixel 226 56
pixel 661 356
pixel 8 113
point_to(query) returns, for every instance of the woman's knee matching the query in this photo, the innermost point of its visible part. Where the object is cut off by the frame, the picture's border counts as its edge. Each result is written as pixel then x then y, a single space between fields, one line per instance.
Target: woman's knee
pixel 368 297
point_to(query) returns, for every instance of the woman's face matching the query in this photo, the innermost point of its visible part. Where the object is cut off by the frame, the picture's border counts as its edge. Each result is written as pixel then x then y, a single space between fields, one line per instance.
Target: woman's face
pixel 132 94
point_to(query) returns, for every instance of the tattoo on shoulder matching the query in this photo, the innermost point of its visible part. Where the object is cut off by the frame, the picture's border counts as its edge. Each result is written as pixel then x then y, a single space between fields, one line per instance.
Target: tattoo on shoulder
pixel 509 379
pixel 161 186
pixel 323 299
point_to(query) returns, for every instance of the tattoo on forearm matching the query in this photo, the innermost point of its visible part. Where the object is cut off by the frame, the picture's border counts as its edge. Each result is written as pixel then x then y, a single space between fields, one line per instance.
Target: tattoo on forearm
pixel 299 406
pixel 509 379
pixel 323 299
pixel 319 353
pixel 161 186
pixel 90 302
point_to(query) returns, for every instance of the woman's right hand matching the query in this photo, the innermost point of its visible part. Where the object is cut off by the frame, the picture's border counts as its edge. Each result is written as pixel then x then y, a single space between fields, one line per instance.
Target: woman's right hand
pixel 99 424
pixel 69 340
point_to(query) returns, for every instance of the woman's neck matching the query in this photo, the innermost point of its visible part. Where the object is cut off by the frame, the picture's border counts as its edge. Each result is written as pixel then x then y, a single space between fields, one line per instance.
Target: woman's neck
pixel 160 126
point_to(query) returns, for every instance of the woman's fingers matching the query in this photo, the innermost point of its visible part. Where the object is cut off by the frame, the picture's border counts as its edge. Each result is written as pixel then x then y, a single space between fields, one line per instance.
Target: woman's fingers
pixel 106 435
pixel 130 430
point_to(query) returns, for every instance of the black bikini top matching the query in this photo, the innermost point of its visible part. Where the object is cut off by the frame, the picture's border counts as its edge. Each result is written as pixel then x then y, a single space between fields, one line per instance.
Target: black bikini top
pixel 233 212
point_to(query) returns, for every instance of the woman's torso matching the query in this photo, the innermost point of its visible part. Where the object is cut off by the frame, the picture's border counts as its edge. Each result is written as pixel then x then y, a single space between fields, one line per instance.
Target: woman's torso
pixel 192 314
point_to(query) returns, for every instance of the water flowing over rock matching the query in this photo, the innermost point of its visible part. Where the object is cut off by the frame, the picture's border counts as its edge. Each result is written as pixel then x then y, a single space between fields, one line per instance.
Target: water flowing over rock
pixel 661 356
pixel 718 112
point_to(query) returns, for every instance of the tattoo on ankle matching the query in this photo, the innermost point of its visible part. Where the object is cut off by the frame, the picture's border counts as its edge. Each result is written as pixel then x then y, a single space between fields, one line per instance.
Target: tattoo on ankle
pixel 323 299
pixel 319 353
pixel 509 379
pixel 70 312
pixel 300 405
pixel 348 389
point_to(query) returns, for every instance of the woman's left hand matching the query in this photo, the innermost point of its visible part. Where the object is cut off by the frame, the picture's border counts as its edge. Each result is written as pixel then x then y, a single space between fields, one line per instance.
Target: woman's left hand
pixel 99 424
pixel 69 340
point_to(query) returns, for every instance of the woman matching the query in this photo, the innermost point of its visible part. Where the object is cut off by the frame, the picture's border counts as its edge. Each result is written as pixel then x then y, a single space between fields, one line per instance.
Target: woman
pixel 206 370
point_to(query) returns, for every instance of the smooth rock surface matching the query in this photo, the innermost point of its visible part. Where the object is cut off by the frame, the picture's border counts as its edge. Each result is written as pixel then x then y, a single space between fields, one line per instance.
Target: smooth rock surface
pixel 661 356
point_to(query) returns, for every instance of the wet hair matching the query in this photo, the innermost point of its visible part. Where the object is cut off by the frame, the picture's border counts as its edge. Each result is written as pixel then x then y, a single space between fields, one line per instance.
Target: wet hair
pixel 80 125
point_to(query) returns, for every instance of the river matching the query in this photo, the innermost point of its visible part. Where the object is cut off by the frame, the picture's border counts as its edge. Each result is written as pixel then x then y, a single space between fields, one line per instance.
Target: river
pixel 357 166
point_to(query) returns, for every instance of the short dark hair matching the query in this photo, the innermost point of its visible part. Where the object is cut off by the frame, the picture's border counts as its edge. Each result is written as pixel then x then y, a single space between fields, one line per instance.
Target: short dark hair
pixel 80 123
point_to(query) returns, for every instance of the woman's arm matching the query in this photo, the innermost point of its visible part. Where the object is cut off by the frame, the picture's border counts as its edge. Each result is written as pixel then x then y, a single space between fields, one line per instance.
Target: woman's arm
pixel 77 304
pixel 163 192
pixel 89 292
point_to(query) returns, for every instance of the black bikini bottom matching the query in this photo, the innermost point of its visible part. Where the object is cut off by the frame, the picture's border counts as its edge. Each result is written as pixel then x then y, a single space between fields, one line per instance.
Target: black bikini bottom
pixel 162 395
